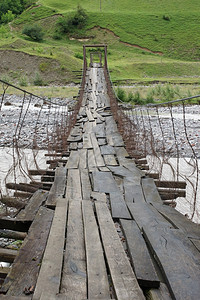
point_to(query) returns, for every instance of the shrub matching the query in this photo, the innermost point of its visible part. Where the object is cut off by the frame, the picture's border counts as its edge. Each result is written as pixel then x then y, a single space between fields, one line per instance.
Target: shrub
pixel 7 17
pixel 34 32
pixel 130 97
pixel 166 17
pixel 137 98
pixel 76 21
pixel 38 80
pixel 121 94
pixel 78 55
pixel 23 81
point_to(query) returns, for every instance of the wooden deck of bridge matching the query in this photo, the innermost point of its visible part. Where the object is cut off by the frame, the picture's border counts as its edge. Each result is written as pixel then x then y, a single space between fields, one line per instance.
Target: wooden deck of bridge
pixel 101 231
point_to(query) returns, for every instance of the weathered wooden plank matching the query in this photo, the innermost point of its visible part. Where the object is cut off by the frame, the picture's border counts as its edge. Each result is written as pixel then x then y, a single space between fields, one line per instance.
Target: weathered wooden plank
pixel 73 161
pixel 170 184
pixel 104 182
pixel 102 141
pixel 159 294
pixel 7 255
pixel 25 269
pixel 121 152
pixel 179 221
pixel 73 283
pixel 99 130
pixel 58 187
pixel 99 196
pixel 87 144
pixel 41 172
pixel 21 187
pixel 110 160
pixel 140 257
pixel 10 234
pixel 91 160
pixel 179 261
pixel 103 169
pixel 107 149
pixel 196 243
pixel 82 158
pixel 29 212
pixel 97 153
pixel 98 286
pixel 118 206
pixel 73 188
pixel 51 267
pixel 85 184
pixel 145 215
pixel 14 224
pixel 123 278
pixel 89 115
pixel 73 146
pixel 150 191
pixel 133 192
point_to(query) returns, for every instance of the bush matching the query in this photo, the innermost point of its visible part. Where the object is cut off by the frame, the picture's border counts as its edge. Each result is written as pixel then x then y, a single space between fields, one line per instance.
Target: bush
pixel 34 32
pixel 166 17
pixel 10 8
pixel 38 80
pixel 137 98
pixel 7 17
pixel 121 94
pixel 76 21
pixel 78 55
pixel 23 81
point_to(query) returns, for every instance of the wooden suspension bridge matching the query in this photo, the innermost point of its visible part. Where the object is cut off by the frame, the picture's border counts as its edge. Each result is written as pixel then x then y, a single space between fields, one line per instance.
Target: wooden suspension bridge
pixel 95 227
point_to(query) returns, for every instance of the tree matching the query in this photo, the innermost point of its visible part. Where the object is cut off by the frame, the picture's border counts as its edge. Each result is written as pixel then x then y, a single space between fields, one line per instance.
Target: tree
pixel 34 32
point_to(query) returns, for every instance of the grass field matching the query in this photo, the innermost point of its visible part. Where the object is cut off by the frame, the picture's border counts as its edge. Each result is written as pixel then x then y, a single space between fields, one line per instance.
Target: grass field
pixel 169 27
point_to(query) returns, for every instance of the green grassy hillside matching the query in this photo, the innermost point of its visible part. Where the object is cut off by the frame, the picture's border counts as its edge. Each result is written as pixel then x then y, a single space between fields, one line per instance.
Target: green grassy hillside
pixel 134 31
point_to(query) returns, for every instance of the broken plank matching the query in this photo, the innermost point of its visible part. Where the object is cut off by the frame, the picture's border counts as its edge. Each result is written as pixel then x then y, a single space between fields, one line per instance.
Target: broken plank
pixel 179 261
pixel 29 212
pixel 51 267
pixel 178 220
pixel 124 282
pixel 146 215
pixel 25 269
pixel 73 283
pixel 139 254
pixel 98 286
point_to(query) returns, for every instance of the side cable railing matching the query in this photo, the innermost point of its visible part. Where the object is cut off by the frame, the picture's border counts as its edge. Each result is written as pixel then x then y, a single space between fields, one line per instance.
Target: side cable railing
pixel 168 135
pixel 30 123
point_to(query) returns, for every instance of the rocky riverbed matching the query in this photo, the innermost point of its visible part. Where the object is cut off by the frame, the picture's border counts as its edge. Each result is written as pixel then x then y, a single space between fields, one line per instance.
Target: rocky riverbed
pixel 173 129
pixel 25 118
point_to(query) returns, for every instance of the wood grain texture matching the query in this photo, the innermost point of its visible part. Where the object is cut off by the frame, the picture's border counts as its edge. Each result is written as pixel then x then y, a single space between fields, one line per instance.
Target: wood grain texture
pixel 123 278
pixel 140 257
pixel 25 268
pixel 98 286
pixel 73 283
pixel 51 267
